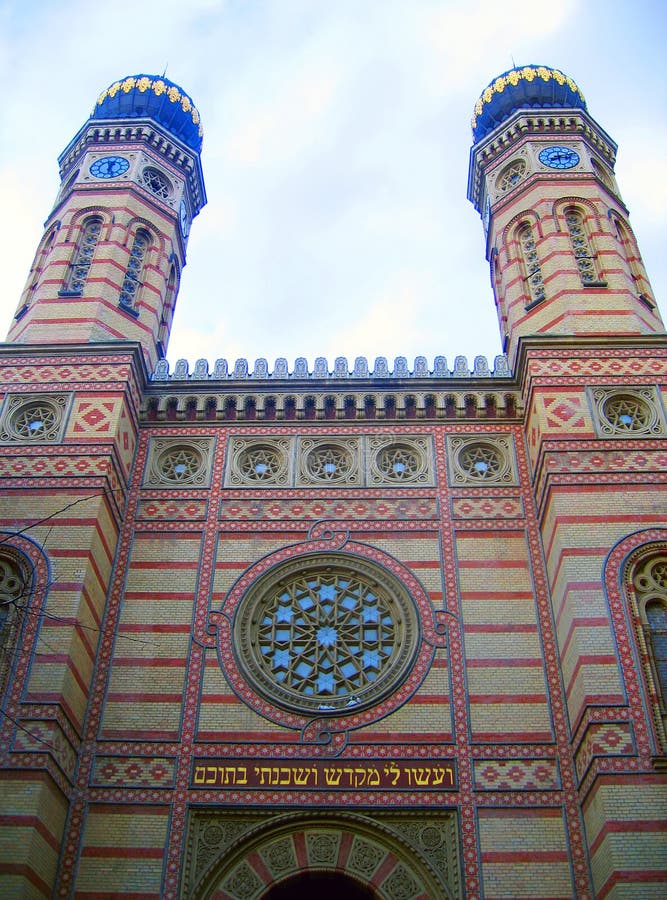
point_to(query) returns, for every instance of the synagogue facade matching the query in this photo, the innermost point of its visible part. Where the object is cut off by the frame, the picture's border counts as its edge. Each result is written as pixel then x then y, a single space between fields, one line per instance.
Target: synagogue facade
pixel 377 629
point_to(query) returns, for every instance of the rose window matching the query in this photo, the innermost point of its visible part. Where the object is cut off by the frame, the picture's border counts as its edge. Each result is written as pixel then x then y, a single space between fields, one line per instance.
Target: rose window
pixel 181 464
pixel 260 463
pixel 481 462
pixel 399 462
pixel 326 636
pixel 626 413
pixel 329 462
pixel 156 182
pixel 36 421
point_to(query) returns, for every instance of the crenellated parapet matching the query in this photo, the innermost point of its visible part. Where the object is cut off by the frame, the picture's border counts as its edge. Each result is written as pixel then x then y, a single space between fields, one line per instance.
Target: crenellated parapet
pixel 301 371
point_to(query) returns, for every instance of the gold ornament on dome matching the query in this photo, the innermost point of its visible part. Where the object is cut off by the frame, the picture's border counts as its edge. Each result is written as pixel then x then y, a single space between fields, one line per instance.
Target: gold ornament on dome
pixel 527 73
pixel 158 87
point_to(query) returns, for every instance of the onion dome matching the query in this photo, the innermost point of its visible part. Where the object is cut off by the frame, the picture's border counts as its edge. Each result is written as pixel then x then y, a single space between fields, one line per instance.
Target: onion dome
pixel 152 97
pixel 527 87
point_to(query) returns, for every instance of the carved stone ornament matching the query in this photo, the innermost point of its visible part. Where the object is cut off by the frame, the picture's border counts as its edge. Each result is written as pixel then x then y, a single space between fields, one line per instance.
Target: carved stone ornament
pixel 260 462
pixel 630 412
pixel 34 418
pixel 404 855
pixel 179 462
pixel 481 460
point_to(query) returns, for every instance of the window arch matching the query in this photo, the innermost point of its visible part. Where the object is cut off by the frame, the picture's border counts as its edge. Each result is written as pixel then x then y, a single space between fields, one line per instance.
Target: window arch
pixel 649 584
pixel 633 260
pixel 14 590
pixel 167 310
pixel 135 268
pixel 581 246
pixel 38 267
pixel 83 256
pixel 531 263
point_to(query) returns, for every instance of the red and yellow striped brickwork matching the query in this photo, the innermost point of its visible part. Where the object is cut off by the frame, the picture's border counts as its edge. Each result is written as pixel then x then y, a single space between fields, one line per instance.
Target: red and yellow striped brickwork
pixel 95 314
pixel 494 699
pixel 520 751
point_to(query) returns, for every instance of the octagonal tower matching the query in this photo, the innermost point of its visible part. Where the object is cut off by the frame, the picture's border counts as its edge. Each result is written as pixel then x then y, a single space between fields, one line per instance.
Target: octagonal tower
pixel 109 262
pixel 563 257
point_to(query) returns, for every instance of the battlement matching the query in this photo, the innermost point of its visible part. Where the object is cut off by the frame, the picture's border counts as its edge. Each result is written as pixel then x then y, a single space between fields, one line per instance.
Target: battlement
pixel 341 369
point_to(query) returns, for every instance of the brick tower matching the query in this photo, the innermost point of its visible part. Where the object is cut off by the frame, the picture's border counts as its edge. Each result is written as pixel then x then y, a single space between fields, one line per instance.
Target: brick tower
pixel 108 265
pixel 376 631
pixel 564 260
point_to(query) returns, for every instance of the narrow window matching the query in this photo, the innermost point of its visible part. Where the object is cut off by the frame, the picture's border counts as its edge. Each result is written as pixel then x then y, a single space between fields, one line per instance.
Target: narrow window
pixel 634 263
pixel 83 256
pixel 581 247
pixel 650 583
pixel 167 312
pixel 14 590
pixel 531 262
pixel 135 266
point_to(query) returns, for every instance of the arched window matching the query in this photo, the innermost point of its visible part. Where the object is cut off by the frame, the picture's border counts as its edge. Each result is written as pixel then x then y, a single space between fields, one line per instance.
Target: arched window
pixel 38 267
pixel 14 588
pixel 531 263
pixel 83 256
pixel 167 311
pixel 135 267
pixel 632 258
pixel 649 581
pixel 581 247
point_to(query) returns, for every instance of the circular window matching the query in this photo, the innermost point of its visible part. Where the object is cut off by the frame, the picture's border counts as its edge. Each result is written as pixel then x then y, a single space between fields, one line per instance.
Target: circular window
pixel 626 413
pixel 326 634
pixel 260 463
pixel 511 175
pixel 399 462
pixel 156 182
pixel 35 420
pixel 481 461
pixel 181 464
pixel 329 462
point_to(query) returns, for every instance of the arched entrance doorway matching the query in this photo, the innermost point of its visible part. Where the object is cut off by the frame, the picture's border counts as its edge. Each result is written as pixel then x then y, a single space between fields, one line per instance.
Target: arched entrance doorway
pixel 273 854
pixel 320 885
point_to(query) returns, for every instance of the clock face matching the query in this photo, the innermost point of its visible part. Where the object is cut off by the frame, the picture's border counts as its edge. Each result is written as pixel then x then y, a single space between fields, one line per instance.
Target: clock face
pixel 559 157
pixel 109 167
pixel 183 218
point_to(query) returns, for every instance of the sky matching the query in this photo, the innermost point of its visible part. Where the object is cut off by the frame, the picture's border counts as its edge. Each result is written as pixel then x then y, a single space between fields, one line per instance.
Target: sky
pixel 336 149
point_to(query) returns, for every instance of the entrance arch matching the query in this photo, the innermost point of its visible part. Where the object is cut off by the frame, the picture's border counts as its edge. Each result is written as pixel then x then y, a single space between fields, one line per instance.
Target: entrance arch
pixel 273 855
pixel 322 885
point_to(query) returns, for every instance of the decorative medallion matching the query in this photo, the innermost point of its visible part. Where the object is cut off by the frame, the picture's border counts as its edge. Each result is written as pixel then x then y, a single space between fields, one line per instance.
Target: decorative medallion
pixel 156 182
pixel 405 461
pixel 261 463
pixel 176 463
pixel 511 175
pixel 481 460
pixel 35 419
pixel 629 412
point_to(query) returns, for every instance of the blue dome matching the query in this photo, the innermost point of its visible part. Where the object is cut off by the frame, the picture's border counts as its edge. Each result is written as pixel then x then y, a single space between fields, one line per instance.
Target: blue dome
pixel 526 87
pixel 152 97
